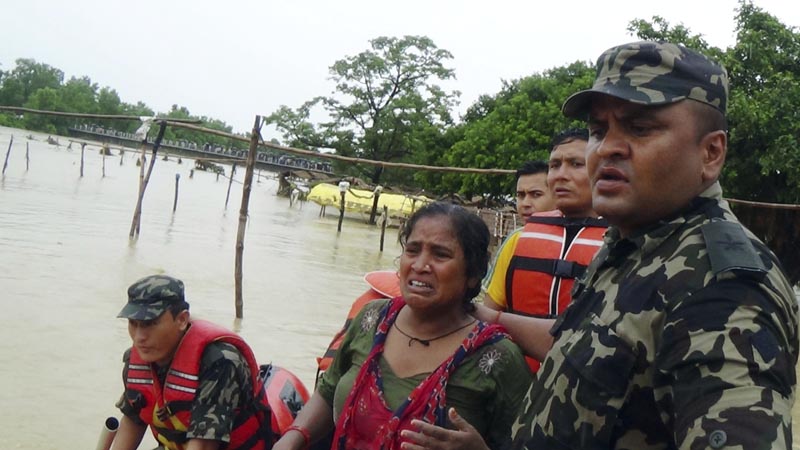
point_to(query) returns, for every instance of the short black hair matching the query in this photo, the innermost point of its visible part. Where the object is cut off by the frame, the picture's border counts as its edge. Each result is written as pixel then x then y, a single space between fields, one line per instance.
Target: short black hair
pixel 708 119
pixel 532 168
pixel 472 234
pixel 569 135
pixel 177 307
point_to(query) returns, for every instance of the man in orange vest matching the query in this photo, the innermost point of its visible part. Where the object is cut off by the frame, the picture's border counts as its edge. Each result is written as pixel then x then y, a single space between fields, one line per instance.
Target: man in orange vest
pixel 536 266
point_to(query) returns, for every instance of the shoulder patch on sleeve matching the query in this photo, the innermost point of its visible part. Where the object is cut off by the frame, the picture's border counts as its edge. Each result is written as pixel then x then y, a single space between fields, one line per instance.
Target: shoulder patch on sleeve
pixel 730 250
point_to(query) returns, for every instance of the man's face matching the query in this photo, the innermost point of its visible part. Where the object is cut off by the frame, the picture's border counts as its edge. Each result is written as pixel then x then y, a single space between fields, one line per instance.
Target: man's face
pixel 156 340
pixel 645 162
pixel 533 195
pixel 569 180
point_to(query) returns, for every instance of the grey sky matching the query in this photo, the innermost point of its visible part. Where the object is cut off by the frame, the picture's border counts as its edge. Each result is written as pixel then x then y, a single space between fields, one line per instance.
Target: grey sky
pixel 234 59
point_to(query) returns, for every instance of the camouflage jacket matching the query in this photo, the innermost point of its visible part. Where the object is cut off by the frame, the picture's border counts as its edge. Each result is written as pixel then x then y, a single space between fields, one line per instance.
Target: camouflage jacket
pixel 683 336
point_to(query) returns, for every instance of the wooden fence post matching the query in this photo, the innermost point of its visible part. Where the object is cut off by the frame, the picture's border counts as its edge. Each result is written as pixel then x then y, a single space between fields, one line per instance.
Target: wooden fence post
pixel 343 187
pixel 230 182
pixel 376 195
pixel 175 202
pixel 8 152
pixel 143 180
pixel 383 225
pixel 83 147
pixel 248 181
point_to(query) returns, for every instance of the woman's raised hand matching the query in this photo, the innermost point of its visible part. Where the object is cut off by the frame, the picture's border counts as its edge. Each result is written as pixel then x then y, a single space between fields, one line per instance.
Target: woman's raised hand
pixel 432 437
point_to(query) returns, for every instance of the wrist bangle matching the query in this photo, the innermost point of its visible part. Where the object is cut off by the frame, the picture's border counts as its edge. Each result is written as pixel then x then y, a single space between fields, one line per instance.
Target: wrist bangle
pixel 303 431
pixel 497 317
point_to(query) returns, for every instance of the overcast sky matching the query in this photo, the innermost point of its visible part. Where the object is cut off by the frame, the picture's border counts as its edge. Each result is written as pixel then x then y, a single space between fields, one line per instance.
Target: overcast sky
pixel 234 59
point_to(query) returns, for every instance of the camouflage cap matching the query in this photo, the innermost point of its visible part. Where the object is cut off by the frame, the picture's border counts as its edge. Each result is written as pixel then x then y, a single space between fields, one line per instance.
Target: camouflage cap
pixel 150 296
pixel 654 73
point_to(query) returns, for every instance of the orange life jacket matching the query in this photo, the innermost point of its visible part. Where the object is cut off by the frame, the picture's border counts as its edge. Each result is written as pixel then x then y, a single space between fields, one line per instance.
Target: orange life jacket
pixel 544 267
pixel 167 409
pixel 382 284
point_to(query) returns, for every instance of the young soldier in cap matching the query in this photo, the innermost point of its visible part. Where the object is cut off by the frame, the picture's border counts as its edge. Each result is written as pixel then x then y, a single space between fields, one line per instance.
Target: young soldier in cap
pixel 683 332
pixel 194 383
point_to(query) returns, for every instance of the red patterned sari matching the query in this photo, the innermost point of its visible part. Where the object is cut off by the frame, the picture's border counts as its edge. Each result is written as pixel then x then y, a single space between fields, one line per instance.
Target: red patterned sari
pixel 367 423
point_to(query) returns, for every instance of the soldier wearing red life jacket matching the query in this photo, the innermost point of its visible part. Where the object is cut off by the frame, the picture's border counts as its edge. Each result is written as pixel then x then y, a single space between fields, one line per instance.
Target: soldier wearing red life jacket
pixel 536 266
pixel 196 385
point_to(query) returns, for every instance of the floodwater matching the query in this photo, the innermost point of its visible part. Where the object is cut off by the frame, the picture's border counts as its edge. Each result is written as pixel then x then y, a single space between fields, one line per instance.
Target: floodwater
pixel 66 262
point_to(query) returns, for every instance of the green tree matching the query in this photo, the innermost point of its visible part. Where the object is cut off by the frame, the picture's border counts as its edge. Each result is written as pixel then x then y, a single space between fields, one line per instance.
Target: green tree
pixel 385 106
pixel 763 161
pixel 514 126
pixel 79 95
pixel 27 77
pixel 764 144
pixel 48 99
pixel 661 30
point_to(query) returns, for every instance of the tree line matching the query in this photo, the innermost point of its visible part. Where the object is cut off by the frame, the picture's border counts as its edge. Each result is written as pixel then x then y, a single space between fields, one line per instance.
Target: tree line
pixel 388 105
pixel 35 85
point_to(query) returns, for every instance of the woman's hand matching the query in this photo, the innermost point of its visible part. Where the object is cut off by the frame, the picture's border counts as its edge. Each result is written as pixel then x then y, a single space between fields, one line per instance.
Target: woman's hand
pixel 432 437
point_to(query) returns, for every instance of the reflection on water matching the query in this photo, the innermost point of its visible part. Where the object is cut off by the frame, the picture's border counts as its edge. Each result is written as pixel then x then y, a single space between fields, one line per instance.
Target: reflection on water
pixel 66 261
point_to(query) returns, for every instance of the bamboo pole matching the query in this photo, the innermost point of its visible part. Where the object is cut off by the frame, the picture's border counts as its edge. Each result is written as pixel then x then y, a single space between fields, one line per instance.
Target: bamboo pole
pixel 8 152
pixel 27 156
pixel 348 159
pixel 175 202
pixel 230 182
pixel 89 116
pixel 341 213
pixel 83 147
pixel 103 149
pixel 189 125
pixel 248 181
pixel 143 180
pixel 374 211
pixel 383 224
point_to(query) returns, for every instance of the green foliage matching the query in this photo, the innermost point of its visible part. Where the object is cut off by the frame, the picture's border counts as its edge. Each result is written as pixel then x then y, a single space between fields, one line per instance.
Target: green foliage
pixel 764 67
pixel 26 78
pixel 39 86
pixel 514 126
pixel 763 161
pixel 387 105
pixel 47 99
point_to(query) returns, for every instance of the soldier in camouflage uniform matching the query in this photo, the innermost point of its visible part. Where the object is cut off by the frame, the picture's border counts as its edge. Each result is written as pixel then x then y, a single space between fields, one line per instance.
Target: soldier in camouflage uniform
pixel 683 333
pixel 221 396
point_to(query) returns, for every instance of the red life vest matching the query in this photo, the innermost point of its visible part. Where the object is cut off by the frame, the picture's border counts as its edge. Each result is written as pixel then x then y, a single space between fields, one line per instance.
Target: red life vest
pixel 382 284
pixel 167 409
pixel 544 266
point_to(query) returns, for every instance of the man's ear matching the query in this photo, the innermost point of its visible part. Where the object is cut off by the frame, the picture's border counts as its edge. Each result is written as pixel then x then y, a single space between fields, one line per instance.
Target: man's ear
pixel 183 319
pixel 714 146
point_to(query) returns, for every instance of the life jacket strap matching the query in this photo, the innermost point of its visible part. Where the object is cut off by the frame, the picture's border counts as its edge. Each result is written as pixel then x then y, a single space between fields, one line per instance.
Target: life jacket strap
pixel 557 267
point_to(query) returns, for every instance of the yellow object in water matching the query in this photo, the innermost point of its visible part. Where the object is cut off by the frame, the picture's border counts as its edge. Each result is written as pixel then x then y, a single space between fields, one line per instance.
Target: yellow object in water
pixel 359 200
